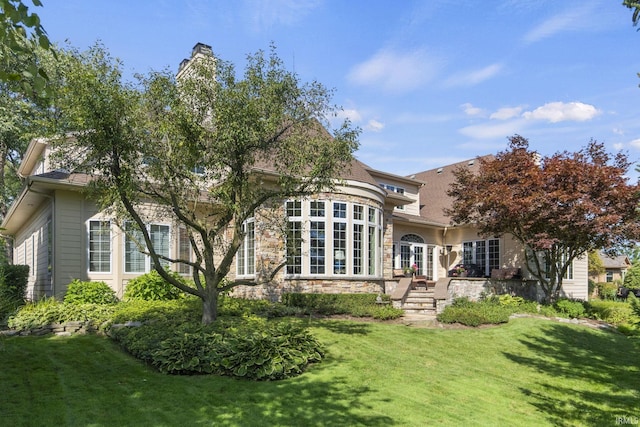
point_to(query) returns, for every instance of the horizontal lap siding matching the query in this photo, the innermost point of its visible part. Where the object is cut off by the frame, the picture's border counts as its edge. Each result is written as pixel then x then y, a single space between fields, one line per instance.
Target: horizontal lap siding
pixel 70 240
pixel 30 248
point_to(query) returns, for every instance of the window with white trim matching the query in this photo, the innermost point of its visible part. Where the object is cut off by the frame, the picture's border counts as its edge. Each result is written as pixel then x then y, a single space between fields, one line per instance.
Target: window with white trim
pixel 246 256
pixel 99 246
pixel 135 261
pixel 482 255
pixel 184 251
pixel 293 210
pixel 333 238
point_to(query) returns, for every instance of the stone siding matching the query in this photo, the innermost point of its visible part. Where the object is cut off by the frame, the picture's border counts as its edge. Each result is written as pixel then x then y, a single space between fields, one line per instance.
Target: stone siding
pixel 311 286
pixel 475 288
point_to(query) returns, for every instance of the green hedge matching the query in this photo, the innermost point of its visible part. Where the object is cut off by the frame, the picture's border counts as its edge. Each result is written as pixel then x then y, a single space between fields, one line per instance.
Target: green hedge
pixel 357 305
pixel 470 313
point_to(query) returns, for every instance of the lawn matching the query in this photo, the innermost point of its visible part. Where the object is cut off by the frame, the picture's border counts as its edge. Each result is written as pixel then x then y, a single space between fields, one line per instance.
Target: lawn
pixel 527 372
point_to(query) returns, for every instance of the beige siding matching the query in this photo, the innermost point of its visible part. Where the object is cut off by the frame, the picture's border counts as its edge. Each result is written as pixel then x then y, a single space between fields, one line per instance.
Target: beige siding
pixel 577 288
pixel 31 248
pixel 70 238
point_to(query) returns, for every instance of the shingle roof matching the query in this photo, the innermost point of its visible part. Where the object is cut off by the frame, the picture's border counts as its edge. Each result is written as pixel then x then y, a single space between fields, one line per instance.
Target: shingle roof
pixel 619 261
pixel 433 195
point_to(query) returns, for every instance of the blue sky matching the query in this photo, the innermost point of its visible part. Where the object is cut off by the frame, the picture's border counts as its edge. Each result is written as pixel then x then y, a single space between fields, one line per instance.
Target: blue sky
pixel 430 82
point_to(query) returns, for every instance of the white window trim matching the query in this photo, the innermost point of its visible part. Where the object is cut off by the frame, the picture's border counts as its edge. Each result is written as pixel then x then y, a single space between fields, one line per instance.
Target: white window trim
pixel 147 258
pixel 88 257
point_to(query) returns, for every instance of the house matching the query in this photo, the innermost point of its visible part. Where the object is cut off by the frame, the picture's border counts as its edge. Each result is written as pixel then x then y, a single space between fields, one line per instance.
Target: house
pixel 355 239
pixel 615 268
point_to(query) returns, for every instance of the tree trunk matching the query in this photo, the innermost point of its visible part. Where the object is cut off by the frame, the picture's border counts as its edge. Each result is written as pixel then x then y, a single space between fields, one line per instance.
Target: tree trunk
pixel 210 308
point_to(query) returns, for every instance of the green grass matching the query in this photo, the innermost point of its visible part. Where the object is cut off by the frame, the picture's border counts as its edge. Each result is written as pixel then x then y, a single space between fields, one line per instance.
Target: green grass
pixel 527 372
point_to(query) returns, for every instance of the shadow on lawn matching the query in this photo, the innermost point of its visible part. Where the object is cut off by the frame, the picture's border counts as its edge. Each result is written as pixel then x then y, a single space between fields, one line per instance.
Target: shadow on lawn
pixel 598 371
pixel 296 403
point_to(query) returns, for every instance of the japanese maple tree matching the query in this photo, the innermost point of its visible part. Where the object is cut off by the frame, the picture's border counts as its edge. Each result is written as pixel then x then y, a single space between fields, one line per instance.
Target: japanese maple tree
pixel 559 207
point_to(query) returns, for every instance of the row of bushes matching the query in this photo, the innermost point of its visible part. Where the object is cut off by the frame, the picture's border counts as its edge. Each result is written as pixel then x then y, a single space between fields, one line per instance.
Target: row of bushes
pixel 357 305
pixel 497 309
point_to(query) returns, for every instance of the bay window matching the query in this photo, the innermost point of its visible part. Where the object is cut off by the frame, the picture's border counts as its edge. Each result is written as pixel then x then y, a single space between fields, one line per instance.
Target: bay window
pixel 333 238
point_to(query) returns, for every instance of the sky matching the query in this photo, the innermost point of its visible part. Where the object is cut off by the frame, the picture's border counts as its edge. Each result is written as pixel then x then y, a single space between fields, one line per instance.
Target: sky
pixel 429 82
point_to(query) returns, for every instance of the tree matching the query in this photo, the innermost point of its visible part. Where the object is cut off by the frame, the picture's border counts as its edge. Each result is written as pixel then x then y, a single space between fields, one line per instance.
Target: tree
pixel 596 266
pixel 21 34
pixel 632 278
pixel 557 207
pixel 635 5
pixel 209 152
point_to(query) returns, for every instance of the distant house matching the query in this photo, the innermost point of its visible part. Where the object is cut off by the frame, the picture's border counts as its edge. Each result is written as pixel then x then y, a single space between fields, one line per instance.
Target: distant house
pixel 615 268
pixel 359 238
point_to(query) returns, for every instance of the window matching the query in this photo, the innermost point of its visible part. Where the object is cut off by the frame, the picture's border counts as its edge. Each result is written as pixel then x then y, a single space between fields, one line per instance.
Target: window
pixel 394 189
pixel 317 248
pixel 609 276
pixel 339 238
pixel 246 263
pixel 99 247
pixel 294 237
pixel 135 261
pixel 481 256
pixel 184 251
pixel 333 238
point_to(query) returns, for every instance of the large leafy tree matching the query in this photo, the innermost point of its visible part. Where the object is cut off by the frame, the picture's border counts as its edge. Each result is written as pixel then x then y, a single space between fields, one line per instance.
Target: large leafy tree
pixel 558 207
pixel 21 36
pixel 208 151
pixel 635 6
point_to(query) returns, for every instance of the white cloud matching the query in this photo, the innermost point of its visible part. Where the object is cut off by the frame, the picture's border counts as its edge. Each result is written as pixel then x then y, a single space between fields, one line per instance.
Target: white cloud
pixel 618 146
pixel 555 112
pixel 635 143
pixel 395 71
pixel 574 19
pixel 618 131
pixel 492 130
pixel 266 14
pixel 353 115
pixel 506 113
pixel 474 77
pixel 374 126
pixel 470 110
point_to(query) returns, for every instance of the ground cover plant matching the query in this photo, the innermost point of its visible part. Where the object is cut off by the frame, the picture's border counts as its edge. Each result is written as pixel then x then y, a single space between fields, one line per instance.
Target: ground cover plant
pixel 527 372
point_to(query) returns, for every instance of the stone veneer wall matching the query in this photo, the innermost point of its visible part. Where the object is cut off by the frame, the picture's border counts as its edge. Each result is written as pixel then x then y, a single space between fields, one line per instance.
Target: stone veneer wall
pixel 474 288
pixel 311 286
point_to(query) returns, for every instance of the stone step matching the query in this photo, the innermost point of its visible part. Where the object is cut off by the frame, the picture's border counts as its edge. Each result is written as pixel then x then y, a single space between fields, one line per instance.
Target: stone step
pixel 421 311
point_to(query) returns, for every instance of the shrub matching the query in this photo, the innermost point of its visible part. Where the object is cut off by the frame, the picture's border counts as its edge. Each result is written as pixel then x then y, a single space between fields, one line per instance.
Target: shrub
pixel 36 314
pixel 13 287
pixel 152 287
pixel 79 292
pixel 614 312
pixel 570 308
pixel 607 290
pixel 358 305
pixel 253 348
pixel 141 311
pixel 632 278
pixel 49 311
pixel 471 313
pixel 387 312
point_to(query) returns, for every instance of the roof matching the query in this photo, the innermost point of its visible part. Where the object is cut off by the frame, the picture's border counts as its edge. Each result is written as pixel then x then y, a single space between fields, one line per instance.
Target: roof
pixel 433 195
pixel 612 262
